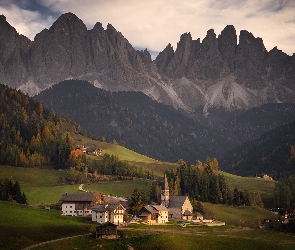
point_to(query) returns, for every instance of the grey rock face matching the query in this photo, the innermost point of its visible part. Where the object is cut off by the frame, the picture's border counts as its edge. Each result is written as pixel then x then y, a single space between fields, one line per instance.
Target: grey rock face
pixel 214 72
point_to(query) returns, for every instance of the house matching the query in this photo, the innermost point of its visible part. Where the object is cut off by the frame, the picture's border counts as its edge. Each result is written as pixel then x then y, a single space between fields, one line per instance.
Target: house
pixel 179 207
pixel 106 229
pixel 154 214
pixel 77 204
pixel 94 151
pixel 103 213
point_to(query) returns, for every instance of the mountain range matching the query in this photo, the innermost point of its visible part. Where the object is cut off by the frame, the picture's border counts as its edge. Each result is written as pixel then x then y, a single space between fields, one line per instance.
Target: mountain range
pixel 206 97
pixel 215 72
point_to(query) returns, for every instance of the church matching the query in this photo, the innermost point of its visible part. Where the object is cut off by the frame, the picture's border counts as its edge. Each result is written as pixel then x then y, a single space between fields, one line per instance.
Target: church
pixel 179 207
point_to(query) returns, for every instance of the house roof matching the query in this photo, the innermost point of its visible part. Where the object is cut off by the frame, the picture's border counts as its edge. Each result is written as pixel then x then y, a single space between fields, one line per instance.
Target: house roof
pixel 197 214
pixel 81 197
pixel 106 207
pixel 160 208
pixel 107 224
pixel 187 213
pixel 176 201
pixel 151 209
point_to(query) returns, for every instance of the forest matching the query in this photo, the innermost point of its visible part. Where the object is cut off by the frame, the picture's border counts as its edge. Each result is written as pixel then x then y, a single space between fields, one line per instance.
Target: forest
pixel 284 194
pixel 32 135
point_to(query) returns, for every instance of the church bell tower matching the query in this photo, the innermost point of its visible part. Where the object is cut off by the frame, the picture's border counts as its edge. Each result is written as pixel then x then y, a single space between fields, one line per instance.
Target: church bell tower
pixel 165 193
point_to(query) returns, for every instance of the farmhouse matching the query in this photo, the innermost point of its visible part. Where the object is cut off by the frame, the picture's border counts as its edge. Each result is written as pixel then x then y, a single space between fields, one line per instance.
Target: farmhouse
pixel 103 213
pixel 94 151
pixel 106 229
pixel 77 204
pixel 154 214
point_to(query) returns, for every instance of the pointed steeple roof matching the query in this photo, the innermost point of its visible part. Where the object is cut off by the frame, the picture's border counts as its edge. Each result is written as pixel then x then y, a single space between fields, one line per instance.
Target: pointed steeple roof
pixel 165 185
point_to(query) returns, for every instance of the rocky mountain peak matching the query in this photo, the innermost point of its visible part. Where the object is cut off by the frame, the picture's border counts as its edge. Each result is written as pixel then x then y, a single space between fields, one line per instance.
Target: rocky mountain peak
pixel 164 58
pixel 227 43
pixel 212 73
pixel 249 64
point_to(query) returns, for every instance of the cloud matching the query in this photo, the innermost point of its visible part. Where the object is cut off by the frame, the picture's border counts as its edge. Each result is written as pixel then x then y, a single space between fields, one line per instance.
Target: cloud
pixel 26 22
pixel 153 24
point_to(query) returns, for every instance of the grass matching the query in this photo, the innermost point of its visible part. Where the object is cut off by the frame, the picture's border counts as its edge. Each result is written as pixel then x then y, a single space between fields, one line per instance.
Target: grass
pixel 238 216
pixel 196 238
pixel 263 186
pixel 31 177
pixel 124 154
pixel 119 188
pixel 22 226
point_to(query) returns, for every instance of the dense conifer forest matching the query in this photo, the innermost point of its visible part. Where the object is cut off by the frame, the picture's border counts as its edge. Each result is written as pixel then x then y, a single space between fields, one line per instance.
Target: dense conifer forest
pixel 32 135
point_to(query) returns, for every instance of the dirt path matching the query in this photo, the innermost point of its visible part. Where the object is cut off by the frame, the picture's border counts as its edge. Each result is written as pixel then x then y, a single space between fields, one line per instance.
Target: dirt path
pixel 46 242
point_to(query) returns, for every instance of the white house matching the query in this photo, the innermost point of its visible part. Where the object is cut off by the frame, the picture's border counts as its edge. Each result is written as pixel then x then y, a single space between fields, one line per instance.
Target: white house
pixel 76 204
pixel 103 213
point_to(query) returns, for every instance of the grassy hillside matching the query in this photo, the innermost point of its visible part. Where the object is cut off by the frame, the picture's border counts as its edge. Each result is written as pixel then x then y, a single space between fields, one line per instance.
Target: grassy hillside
pixel 39 185
pixel 263 186
pixel 22 226
pixel 125 154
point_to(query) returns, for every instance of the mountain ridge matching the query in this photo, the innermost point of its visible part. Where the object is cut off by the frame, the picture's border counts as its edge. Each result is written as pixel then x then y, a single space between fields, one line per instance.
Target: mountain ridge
pixel 214 72
pixel 160 131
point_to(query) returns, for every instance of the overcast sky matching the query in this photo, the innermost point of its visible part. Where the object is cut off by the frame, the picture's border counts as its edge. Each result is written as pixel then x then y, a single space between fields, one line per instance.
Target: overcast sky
pixel 152 24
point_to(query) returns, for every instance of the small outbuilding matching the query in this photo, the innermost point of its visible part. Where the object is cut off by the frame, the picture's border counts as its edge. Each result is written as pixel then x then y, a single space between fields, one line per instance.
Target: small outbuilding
pixel 107 229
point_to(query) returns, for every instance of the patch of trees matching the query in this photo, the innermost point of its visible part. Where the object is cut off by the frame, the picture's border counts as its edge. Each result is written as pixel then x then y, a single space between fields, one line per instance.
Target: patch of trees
pixel 10 191
pixel 284 193
pixel 203 182
pixel 83 167
pixel 32 135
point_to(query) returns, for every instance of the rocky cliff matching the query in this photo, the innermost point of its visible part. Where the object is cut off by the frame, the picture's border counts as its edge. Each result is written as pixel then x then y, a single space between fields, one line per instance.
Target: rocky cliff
pixel 214 72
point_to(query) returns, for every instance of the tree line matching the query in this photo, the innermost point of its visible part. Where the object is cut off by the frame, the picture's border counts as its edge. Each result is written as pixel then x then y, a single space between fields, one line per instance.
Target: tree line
pixel 81 166
pixel 284 194
pixel 201 183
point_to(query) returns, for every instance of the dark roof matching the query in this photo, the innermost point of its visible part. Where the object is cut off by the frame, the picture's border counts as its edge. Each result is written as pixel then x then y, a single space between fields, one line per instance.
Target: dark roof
pixel 105 207
pixel 176 201
pixel 187 213
pixel 86 197
pixel 160 208
pixel 107 224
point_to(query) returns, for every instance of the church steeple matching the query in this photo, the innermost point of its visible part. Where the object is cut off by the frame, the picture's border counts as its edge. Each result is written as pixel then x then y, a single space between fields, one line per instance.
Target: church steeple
pixel 165 192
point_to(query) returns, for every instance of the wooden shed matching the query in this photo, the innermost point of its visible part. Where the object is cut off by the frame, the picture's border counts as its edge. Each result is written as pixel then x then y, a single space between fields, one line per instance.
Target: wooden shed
pixel 106 229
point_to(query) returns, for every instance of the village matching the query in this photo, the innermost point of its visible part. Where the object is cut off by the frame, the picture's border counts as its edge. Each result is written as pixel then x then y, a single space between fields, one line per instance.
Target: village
pixel 110 212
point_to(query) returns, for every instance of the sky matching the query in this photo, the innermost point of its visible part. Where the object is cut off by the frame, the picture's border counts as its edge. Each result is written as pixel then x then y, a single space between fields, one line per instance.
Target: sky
pixel 153 24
